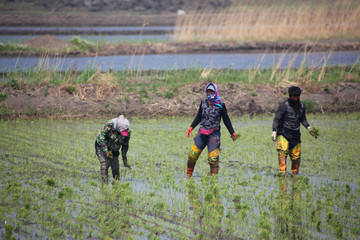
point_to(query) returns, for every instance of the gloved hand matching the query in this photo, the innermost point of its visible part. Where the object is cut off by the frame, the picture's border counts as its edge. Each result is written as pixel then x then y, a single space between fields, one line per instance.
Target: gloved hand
pixel 109 155
pixel 273 136
pixel 311 131
pixel 189 132
pixel 233 137
pixel 124 158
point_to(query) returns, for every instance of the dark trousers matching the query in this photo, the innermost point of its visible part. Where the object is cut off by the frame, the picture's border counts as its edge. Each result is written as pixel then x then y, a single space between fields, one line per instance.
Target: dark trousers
pixel 105 163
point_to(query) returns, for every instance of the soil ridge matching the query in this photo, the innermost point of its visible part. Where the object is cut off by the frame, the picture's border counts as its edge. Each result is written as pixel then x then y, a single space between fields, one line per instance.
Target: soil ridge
pixel 187 47
pixel 97 99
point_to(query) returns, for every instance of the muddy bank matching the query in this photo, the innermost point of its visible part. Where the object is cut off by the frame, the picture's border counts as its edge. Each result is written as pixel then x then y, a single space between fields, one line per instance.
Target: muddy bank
pixel 91 100
pixel 198 47
pixel 87 19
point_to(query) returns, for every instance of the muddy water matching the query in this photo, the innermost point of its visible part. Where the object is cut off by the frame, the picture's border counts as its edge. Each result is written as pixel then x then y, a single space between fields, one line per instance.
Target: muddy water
pixel 182 61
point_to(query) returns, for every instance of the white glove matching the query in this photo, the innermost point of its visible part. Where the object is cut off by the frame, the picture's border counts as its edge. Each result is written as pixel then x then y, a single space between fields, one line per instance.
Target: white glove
pixel 273 136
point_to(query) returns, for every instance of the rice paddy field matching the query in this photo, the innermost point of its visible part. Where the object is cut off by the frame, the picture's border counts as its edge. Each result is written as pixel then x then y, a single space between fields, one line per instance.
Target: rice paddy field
pixel 51 186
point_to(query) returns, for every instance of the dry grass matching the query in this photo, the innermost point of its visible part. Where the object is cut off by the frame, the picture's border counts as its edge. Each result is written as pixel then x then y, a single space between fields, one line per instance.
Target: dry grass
pixel 329 20
pixel 103 88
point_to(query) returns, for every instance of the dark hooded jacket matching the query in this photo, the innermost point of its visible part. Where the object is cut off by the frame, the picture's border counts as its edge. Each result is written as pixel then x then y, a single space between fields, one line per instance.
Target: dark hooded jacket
pixel 287 121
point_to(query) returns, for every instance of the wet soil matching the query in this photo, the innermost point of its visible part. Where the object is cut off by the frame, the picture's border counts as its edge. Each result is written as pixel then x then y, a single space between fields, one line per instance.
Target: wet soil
pixel 92 100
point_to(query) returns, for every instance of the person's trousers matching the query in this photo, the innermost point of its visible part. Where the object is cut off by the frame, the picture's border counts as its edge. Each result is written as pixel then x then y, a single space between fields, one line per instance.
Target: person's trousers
pixel 105 163
pixel 212 142
pixel 284 151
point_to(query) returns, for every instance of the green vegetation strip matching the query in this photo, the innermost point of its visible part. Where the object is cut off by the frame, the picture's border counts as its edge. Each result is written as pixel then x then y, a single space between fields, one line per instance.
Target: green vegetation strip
pixel 51 186
pixel 152 80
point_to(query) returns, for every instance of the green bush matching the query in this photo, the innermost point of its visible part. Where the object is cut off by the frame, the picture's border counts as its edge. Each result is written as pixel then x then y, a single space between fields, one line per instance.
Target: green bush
pixel 3 96
pixel 309 105
pixel 50 182
pixel 13 47
pixel 82 44
pixel 71 89
pixel 14 84
pixel 5 110
pixel 169 94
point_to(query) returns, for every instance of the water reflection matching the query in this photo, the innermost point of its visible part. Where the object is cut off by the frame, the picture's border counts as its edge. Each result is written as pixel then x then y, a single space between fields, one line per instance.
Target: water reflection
pixel 207 210
pixel 288 210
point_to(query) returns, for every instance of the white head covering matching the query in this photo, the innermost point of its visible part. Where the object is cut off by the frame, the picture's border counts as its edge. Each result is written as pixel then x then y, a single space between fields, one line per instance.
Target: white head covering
pixel 121 123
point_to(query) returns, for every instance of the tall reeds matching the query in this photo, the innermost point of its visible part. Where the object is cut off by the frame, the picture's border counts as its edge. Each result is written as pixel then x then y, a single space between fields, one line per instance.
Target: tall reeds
pixel 272 22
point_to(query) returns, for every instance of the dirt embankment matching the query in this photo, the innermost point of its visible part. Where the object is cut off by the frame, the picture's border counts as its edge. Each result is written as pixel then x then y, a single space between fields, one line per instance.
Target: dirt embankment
pixel 91 100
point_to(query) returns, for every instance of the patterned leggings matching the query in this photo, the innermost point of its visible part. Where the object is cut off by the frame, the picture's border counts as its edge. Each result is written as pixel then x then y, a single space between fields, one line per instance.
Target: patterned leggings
pixel 212 141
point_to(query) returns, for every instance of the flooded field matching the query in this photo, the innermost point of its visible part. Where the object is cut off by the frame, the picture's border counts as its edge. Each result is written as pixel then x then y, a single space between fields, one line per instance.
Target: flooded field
pixel 51 187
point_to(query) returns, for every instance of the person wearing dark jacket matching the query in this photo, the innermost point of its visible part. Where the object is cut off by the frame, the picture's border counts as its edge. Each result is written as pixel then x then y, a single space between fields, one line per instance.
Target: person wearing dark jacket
pixel 114 135
pixel 286 129
pixel 211 110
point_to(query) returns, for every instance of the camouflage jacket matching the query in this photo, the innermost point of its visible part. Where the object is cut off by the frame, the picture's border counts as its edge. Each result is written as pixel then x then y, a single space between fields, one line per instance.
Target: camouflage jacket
pixel 111 140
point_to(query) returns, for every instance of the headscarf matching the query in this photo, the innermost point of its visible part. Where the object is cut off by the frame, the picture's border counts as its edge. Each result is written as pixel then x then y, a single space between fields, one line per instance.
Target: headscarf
pixel 216 100
pixel 121 124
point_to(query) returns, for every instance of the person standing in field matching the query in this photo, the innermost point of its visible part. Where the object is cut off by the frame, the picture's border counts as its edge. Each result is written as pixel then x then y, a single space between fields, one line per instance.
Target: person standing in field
pixel 114 135
pixel 286 129
pixel 211 110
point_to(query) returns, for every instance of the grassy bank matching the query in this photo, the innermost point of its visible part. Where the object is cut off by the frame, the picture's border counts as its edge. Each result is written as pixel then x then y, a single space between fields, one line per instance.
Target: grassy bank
pixel 51 186
pixel 151 81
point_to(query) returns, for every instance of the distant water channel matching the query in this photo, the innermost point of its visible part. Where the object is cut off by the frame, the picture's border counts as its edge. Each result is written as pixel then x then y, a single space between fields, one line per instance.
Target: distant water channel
pixel 183 61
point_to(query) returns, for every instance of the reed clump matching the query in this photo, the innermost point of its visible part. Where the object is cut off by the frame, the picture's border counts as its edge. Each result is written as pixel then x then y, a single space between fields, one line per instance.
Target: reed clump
pixel 272 22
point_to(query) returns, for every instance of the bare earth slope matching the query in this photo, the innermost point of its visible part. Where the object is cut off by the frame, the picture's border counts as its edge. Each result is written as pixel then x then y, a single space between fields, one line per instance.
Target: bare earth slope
pixel 95 99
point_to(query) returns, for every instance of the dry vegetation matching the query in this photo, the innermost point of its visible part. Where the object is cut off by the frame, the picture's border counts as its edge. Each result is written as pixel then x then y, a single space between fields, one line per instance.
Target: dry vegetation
pixel 273 22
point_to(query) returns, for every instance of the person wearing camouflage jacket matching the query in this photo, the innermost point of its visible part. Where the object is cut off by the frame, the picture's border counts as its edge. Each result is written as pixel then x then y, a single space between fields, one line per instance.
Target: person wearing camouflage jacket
pixel 114 135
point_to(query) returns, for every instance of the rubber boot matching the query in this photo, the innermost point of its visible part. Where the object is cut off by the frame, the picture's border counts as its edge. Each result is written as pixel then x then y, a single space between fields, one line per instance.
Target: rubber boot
pixel 295 165
pixel 190 168
pixel 116 174
pixel 193 157
pixel 214 170
pixel 213 160
pixel 282 163
pixel 125 162
pixel 104 175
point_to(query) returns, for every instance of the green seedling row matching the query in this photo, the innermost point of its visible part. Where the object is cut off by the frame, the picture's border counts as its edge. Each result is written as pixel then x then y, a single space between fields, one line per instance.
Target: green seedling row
pixel 51 186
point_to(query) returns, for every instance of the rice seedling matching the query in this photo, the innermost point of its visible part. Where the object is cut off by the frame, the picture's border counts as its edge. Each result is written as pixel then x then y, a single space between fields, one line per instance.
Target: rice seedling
pixel 52 188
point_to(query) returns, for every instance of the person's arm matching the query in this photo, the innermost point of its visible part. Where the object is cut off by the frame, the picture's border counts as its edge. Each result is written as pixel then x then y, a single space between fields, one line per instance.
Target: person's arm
pixel 303 119
pixel 226 119
pixel 278 116
pixel 102 138
pixel 125 146
pixel 124 149
pixel 198 117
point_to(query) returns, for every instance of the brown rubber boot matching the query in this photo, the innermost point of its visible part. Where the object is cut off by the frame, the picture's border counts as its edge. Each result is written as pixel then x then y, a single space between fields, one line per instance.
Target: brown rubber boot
pixel 282 163
pixel 190 169
pixel 295 165
pixel 193 157
pixel 214 170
